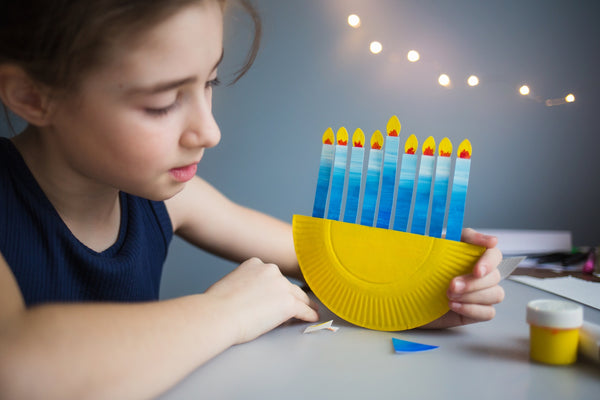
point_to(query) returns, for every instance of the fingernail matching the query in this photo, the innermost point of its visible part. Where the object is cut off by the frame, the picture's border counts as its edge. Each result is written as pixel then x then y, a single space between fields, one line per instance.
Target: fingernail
pixel 481 269
pixel 459 285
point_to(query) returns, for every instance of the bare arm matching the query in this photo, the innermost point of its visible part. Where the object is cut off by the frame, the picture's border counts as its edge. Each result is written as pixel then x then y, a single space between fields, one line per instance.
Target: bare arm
pixel 206 218
pixel 134 350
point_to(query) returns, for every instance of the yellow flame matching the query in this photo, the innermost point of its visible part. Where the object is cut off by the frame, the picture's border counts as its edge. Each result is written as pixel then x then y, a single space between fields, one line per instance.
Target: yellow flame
pixel 393 126
pixel 377 140
pixel 342 136
pixel 465 150
pixel 445 149
pixel 328 137
pixel 358 138
pixel 429 146
pixel 410 147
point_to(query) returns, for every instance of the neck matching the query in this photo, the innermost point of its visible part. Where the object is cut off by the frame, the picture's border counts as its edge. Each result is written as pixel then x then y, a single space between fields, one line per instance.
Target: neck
pixel 89 209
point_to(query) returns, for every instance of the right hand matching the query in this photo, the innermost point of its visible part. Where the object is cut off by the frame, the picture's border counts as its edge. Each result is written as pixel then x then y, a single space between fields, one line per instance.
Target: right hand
pixel 259 298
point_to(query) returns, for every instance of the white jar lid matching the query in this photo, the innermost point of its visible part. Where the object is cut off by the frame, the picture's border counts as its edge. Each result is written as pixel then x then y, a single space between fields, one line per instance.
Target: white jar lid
pixel 554 314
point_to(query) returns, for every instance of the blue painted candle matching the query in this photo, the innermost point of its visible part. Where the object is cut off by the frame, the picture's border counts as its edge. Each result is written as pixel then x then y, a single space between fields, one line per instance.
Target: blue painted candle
pixel 325 164
pixel 372 184
pixel 339 175
pixel 355 176
pixel 406 184
pixel 419 221
pixel 440 188
pixel 458 197
pixel 388 179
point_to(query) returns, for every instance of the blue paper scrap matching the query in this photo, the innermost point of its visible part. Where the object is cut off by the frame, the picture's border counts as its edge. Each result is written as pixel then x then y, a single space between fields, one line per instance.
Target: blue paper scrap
pixel 404 346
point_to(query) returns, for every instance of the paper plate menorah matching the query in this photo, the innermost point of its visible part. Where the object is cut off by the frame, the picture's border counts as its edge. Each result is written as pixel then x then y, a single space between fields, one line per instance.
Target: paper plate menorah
pixel 368 268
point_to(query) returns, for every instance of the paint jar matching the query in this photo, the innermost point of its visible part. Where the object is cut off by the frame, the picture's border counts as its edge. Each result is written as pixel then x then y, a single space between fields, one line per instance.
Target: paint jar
pixel 554 331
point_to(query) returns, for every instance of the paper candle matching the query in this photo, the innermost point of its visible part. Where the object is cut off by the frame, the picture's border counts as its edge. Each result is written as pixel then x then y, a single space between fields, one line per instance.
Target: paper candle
pixel 406 184
pixel 440 188
pixel 339 174
pixel 355 176
pixel 419 221
pixel 325 165
pixel 458 197
pixel 388 179
pixel 372 184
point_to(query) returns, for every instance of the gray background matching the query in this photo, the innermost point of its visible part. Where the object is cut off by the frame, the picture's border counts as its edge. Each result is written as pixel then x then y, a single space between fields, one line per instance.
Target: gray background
pixel 534 167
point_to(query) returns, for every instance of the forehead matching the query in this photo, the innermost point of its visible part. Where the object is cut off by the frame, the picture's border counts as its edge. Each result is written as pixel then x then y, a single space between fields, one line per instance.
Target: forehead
pixel 188 43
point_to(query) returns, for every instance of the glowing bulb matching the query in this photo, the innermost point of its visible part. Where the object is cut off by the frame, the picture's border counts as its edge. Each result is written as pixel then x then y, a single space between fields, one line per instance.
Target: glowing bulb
pixel 354 20
pixel 473 80
pixel 444 80
pixel 375 47
pixel 570 98
pixel 524 90
pixel 413 56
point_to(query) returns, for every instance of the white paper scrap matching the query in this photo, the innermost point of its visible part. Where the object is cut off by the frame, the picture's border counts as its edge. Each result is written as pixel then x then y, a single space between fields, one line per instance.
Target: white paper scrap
pixel 318 327
pixel 575 289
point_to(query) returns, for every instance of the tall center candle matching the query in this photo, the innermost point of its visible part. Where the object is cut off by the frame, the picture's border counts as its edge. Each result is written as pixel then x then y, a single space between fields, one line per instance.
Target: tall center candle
pixel 388 179
pixel 355 176
pixel 440 188
pixel 458 197
pixel 325 165
pixel 419 221
pixel 406 184
pixel 339 174
pixel 372 184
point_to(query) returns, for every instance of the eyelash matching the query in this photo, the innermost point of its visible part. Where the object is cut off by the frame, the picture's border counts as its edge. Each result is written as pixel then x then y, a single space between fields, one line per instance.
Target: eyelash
pixel 158 112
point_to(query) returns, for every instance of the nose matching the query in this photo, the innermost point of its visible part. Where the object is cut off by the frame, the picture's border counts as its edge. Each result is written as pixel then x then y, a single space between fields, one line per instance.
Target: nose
pixel 201 129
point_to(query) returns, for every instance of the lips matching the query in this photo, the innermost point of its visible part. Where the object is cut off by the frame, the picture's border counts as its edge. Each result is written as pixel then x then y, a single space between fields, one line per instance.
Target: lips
pixel 184 174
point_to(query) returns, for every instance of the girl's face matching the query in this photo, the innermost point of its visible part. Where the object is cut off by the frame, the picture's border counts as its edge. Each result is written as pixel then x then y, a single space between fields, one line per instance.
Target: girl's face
pixel 141 122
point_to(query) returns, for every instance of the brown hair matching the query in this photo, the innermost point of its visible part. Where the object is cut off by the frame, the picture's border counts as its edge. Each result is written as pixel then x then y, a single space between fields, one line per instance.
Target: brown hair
pixel 57 41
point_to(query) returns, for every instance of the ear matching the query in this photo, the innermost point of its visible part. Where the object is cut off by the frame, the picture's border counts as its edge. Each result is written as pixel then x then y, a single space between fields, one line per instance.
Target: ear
pixel 23 96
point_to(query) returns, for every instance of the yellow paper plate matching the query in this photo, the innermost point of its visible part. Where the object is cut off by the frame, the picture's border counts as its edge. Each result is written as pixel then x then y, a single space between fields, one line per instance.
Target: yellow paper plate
pixel 378 278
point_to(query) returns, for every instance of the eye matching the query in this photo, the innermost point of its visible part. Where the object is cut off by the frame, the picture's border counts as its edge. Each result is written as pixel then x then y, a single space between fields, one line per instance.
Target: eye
pixel 158 112
pixel 213 83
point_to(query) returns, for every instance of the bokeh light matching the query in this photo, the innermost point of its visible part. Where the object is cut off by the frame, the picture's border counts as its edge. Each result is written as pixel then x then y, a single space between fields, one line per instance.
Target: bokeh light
pixel 375 47
pixel 473 80
pixel 413 56
pixel 444 80
pixel 524 90
pixel 570 98
pixel 354 20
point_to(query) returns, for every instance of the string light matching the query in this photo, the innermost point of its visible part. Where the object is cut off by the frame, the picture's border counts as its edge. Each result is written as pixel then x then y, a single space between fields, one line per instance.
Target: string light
pixel 570 98
pixel 354 20
pixel 413 56
pixel 473 81
pixel 444 80
pixel 524 90
pixel 375 47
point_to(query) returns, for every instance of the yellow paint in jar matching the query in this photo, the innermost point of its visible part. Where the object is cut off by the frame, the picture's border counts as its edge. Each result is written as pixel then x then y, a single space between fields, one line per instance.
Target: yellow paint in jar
pixel 554 331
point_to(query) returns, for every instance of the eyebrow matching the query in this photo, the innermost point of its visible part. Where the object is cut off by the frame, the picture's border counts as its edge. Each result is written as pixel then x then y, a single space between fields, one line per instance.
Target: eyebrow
pixel 169 85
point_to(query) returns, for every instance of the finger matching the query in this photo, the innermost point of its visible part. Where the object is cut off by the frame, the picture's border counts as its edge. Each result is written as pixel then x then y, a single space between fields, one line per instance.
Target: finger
pixel 488 262
pixel 473 312
pixel 302 296
pixel 489 296
pixel 471 283
pixel 479 239
pixel 305 312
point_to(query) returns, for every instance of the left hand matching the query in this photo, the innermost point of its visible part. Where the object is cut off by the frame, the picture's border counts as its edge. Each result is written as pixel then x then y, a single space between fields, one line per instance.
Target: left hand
pixel 472 296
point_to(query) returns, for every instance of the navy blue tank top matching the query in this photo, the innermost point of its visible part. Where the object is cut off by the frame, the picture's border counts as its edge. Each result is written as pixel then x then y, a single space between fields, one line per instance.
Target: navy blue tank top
pixel 51 265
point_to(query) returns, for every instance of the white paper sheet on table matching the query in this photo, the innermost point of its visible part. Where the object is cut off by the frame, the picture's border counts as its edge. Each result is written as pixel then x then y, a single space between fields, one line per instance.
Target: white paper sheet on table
pixel 575 289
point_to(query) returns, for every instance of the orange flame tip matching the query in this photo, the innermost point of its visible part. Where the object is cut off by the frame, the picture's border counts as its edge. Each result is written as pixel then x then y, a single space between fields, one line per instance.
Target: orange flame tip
pixel 358 138
pixel 377 140
pixel 445 148
pixel 393 126
pixel 411 144
pixel 342 136
pixel 465 149
pixel 328 137
pixel 429 146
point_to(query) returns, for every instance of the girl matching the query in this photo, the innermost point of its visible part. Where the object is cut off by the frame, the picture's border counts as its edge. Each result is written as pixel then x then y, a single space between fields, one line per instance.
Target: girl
pixel 117 97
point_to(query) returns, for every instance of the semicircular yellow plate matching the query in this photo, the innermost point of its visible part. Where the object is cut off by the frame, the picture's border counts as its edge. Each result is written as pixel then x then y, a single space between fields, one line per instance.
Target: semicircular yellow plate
pixel 378 278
